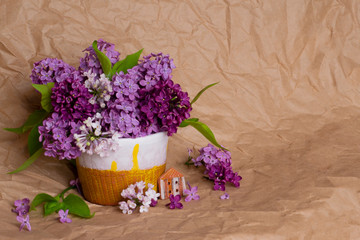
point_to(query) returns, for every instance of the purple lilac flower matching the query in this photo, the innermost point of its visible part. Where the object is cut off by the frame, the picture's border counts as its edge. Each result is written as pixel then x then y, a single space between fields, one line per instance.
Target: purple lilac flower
pixel 57 137
pixel 175 202
pixel 25 221
pixel 167 105
pixel 63 216
pixel 224 196
pixel 70 99
pixel 218 166
pixel 50 70
pixel 76 182
pixel 191 193
pixel 22 206
pixel 90 60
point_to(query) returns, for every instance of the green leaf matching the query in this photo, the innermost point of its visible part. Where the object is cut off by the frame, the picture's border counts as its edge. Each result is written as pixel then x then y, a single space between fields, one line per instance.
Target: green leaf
pixel 186 123
pixel 104 60
pixel 51 207
pixel 29 161
pixel 41 198
pixel 45 90
pixel 33 140
pixel 34 119
pixel 204 130
pixel 129 62
pixel 201 92
pixel 77 206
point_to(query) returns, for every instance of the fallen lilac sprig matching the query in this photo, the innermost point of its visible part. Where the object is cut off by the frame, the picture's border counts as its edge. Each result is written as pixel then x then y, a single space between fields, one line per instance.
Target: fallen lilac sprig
pixel 174 202
pixel 217 164
pixel 191 193
pixel 24 222
pixel 63 216
pixel 137 198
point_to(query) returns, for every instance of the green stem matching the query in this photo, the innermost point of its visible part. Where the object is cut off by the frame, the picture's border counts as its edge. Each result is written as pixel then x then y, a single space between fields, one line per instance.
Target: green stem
pixel 61 195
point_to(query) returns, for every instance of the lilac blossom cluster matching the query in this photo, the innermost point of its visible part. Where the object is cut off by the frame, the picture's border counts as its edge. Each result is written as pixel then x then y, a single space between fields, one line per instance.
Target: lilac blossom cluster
pixel 218 166
pixel 166 105
pixel 91 139
pixel 122 114
pixel 57 137
pixel 22 208
pixel 137 197
pixel 50 70
pixel 90 60
pixel 70 99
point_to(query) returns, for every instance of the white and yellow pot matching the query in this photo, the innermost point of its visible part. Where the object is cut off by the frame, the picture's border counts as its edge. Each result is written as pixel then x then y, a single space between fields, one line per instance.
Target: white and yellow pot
pixel 103 178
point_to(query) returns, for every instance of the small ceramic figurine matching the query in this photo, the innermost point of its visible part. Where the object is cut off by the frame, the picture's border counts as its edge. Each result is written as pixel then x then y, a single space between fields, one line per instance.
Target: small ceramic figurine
pixel 171 182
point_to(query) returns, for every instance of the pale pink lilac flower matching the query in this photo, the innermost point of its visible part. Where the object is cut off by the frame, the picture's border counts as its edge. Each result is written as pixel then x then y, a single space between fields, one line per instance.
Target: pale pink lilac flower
pixel 191 193
pixel 63 216
pixel 224 196
pixel 25 222
pixel 100 88
pixel 22 206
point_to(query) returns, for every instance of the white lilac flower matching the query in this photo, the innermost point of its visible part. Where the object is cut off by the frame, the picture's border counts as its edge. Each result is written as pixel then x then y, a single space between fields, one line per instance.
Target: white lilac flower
pixel 140 185
pixel 124 207
pixel 146 201
pixel 152 194
pixel 131 204
pixel 144 209
pixel 99 87
pixel 92 139
pixel 136 197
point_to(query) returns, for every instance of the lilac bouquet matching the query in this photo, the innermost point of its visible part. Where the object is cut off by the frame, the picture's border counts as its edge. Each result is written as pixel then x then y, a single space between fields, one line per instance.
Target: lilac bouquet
pixel 88 109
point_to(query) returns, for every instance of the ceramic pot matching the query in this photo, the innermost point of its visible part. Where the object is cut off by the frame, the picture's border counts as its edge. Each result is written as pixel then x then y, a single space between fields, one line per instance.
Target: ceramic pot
pixel 136 159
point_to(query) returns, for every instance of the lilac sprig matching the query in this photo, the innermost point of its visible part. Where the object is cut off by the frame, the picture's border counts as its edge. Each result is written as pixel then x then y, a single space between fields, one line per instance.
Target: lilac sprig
pixel 22 208
pixel 90 60
pixel 57 137
pixel 166 105
pixel 92 139
pixel 50 70
pixel 138 198
pixel 100 88
pixel 218 166
pixel 71 99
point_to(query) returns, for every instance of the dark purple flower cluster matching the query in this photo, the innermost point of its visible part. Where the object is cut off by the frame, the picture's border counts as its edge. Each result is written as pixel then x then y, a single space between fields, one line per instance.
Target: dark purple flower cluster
pixel 218 166
pixel 50 70
pixel 166 105
pixel 90 60
pixel 57 136
pixel 70 99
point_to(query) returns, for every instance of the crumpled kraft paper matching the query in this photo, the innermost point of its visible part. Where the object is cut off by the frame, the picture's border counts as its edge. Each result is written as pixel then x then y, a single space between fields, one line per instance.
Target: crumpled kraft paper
pixel 287 106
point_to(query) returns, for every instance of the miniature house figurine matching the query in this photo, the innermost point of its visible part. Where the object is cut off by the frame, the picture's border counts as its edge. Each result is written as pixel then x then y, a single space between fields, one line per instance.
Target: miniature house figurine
pixel 171 182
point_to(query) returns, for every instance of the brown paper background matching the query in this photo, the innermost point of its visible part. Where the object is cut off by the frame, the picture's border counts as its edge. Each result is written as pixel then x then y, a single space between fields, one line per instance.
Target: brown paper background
pixel 288 107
